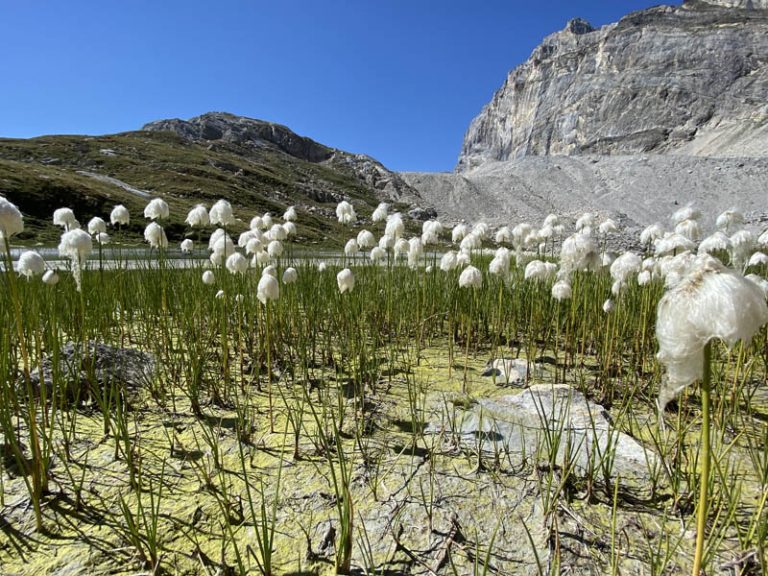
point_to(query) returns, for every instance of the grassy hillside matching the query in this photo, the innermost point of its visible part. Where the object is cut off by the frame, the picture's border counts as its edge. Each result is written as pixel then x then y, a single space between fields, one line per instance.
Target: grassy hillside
pixel 42 174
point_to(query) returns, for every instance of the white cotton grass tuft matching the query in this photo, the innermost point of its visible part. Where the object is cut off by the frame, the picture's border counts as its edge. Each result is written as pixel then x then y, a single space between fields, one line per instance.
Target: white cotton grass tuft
pixel 345 280
pixel 714 243
pixel 729 220
pixel 579 252
pixel 290 214
pixel 762 240
pixel 387 242
pixel 266 220
pixel 65 218
pixel 710 302
pixel 268 289
pixel 155 235
pixel 499 266
pixel 395 227
pixel 561 290
pixel 220 295
pixel 503 235
pixel 275 249
pixel 208 278
pixel 415 251
pixel 119 216
pixel 11 220
pixel 351 248
pixel 198 217
pixel 187 246
pixel 157 209
pixel 586 220
pixel 608 226
pixel 237 263
pixel 377 254
pixel 76 245
pixel 221 214
pixel 401 247
pixel 687 212
pixel 102 238
pixel 626 266
pixel 672 243
pixel 257 223
pixel 463 259
pixel 322 267
pixel 271 270
pixel 277 232
pixel 608 306
pixel 459 232
pixel 345 213
pixel 651 233
pixel 471 242
pixel 366 239
pixel 689 228
pixel 430 232
pixel 290 275
pixel 743 244
pixel 540 271
pixel 448 261
pixel 481 230
pixel 290 229
pixel 221 243
pixel 471 277
pixel 30 264
pixel 380 214
pixel 758 259
pixel 50 278
pixel 96 226
pixel 644 277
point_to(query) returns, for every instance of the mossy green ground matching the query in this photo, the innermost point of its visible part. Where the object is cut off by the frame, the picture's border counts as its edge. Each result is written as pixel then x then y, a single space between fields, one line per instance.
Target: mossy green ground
pixel 420 506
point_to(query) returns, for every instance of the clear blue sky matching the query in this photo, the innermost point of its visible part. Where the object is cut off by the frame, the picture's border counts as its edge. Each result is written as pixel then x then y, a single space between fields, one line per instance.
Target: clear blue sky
pixel 397 79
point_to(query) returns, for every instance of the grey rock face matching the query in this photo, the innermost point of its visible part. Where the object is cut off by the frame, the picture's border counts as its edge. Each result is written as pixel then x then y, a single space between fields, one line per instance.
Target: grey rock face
pixel 547 420
pixel 86 369
pixel 249 133
pixel 690 79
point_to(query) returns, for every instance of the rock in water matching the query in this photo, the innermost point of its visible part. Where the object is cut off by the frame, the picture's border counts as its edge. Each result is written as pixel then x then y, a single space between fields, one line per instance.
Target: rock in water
pixel 687 79
pixel 546 418
pixel 87 369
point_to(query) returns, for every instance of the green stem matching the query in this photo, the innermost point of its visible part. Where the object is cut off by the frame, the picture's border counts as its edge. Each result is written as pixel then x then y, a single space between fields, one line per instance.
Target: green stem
pixel 701 520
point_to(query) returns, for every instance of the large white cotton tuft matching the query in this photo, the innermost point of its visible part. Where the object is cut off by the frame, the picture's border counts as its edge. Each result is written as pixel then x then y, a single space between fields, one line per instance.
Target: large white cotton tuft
pixel 471 277
pixel 11 220
pixel 345 280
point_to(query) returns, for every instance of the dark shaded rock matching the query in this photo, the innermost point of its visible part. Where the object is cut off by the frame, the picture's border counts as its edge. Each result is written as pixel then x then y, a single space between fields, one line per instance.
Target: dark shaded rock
pixel 91 368
pixel 423 214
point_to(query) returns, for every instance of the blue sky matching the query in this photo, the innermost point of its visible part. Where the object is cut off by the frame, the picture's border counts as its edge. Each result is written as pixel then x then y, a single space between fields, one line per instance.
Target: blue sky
pixel 397 79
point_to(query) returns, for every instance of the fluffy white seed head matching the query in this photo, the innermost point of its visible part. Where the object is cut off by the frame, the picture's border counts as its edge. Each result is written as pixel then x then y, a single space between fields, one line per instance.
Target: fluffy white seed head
pixel 11 220
pixel 208 278
pixel 30 264
pixel 290 275
pixel 651 233
pixel 220 295
pixel 688 212
pixel 102 238
pixel 119 216
pixel 322 267
pixel 395 226
pixel 503 235
pixel 275 249
pixel 463 259
pixel 762 240
pixel 345 212
pixel 608 306
pixel 430 232
pixel 377 254
pixel 65 218
pixel 689 228
pixel 541 271
pixel 671 243
pixel 266 220
pixel 237 263
pixel 415 251
pixel 290 214
pixel 608 226
pixel 221 214
pixel 380 214
pixel 187 246
pixel 76 245
pixel 742 244
pixel 271 270
pixel 459 232
pixel 351 248
pixel 157 209
pixel 758 259
pixel 471 277
pixel 500 264
pixel 268 289
pixel 365 239
pixel 277 232
pixel 626 266
pixel 448 261
pixel 386 242
pixel 561 290
pixel 709 302
pixel 155 235
pixel 579 252
pixel 96 226
pixel 290 228
pixel 401 247
pixel 729 220
pixel 198 217
pixel 345 280
pixel 644 277
pixel 586 220
pixel 481 230
pixel 257 223
pixel 760 282
pixel 717 242
pixel 50 278
pixel 471 242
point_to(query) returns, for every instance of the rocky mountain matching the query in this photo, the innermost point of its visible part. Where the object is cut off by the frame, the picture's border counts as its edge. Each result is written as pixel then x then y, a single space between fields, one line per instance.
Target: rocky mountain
pixel 251 135
pixel 258 166
pixel 688 79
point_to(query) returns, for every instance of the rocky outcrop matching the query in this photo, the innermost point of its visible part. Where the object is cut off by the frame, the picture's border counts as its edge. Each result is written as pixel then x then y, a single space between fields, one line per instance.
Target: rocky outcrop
pixel 689 79
pixel 253 134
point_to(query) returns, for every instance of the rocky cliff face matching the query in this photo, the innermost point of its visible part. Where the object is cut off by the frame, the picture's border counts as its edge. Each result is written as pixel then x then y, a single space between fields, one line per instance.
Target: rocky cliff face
pixel 248 133
pixel 689 79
